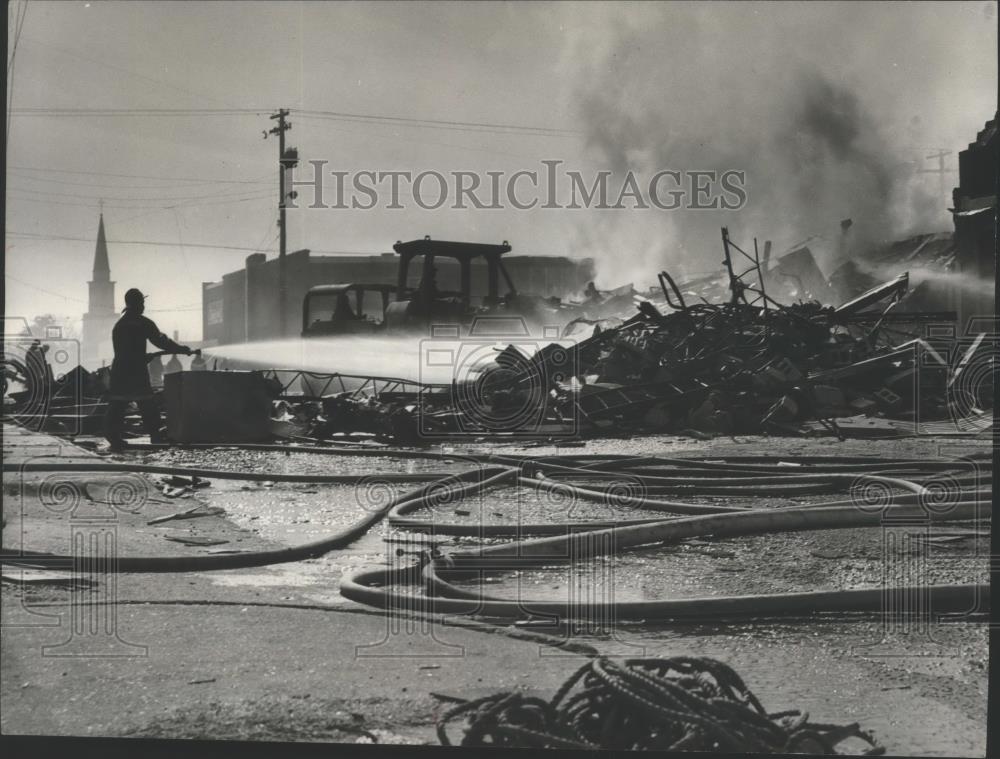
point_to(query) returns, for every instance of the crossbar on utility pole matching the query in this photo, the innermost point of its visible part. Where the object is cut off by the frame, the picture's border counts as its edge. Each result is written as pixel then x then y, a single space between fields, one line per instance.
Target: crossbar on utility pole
pixel 940 155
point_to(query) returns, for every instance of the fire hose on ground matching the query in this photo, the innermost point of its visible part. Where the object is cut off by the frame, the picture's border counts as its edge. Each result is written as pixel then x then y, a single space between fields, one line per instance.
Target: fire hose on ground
pixel 398 515
pixel 467 483
pixel 221 474
pixel 371 586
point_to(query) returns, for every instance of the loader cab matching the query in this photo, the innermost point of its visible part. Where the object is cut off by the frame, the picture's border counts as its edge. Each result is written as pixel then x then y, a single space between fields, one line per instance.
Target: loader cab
pixel 420 260
pixel 345 309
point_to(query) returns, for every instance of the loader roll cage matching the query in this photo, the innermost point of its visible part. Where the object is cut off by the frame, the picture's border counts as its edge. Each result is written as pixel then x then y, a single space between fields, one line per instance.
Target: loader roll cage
pixel 464 253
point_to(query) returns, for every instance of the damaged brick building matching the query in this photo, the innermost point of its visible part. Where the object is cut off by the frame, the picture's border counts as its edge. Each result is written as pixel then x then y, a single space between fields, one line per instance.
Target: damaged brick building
pixel 975 214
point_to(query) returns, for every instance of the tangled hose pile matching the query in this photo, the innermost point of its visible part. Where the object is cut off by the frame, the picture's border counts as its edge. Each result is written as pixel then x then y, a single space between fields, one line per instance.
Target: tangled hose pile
pixel 675 704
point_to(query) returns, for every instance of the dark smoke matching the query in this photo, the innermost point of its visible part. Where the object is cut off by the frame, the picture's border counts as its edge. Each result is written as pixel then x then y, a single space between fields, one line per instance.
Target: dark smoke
pixel 806 100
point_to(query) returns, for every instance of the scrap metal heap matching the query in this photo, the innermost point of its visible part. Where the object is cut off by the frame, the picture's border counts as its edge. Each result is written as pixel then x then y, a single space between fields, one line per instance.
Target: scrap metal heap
pixel 747 365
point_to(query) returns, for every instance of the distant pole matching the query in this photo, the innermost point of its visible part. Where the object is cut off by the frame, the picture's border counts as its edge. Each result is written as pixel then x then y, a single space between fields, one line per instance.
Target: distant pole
pixel 280 129
pixel 940 170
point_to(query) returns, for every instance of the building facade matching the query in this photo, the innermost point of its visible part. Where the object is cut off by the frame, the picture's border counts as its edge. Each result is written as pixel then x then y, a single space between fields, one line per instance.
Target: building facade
pixel 975 215
pixel 96 349
pixel 243 305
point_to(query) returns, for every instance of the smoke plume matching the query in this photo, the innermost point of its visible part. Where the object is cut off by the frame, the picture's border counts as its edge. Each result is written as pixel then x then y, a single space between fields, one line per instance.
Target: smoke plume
pixel 828 108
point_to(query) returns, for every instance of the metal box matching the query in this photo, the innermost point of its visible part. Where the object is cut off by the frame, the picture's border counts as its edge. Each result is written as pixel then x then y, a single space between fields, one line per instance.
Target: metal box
pixel 216 407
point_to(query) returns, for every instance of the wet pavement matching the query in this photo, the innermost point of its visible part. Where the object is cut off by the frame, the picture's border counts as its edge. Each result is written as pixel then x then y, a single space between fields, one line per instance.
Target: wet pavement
pixel 922 691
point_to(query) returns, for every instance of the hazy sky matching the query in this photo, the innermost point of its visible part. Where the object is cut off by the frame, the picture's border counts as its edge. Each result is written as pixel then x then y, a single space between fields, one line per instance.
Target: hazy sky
pixel 707 84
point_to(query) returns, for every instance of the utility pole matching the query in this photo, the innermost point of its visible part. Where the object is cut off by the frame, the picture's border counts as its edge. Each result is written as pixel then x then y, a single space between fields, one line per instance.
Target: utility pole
pixel 286 160
pixel 940 170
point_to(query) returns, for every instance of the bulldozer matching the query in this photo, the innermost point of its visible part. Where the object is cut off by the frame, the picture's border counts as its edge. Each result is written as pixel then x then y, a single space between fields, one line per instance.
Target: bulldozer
pixel 340 309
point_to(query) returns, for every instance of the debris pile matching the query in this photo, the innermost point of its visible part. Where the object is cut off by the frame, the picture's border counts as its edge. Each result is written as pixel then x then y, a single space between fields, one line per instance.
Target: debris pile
pixel 743 364
pixel 676 704
pixel 681 362
pixel 748 365
pixel 68 404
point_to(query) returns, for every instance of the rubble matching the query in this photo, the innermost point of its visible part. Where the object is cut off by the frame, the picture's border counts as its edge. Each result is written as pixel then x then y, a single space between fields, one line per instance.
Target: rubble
pixel 747 365
pixel 717 356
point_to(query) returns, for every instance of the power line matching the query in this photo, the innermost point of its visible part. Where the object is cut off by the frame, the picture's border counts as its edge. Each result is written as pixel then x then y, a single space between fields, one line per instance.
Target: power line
pixel 20 10
pixel 179 307
pixel 161 209
pixel 197 203
pixel 36 236
pixel 18 23
pixel 368 134
pixel 79 56
pixel 464 126
pixel 267 231
pixel 133 217
pixel 142 176
pixel 439 123
pixel 33 236
pixel 191 184
pixel 180 241
pixel 228 194
pixel 59 112
pixel 42 289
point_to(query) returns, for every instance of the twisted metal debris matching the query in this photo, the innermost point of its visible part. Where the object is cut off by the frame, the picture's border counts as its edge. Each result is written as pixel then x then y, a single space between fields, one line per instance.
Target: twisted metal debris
pixel 674 704
pixel 746 365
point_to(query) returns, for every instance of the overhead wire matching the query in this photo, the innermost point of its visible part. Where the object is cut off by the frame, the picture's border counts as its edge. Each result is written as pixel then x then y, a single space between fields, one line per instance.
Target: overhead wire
pixel 8 275
pixel 190 184
pixel 197 203
pixel 466 126
pixel 37 236
pixel 22 8
pixel 195 180
pixel 111 200
pixel 444 124
pixel 129 72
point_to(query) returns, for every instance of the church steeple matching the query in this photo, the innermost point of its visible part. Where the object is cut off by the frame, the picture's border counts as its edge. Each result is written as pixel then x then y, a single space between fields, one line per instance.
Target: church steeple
pixel 102 289
pixel 102 270
pixel 101 314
